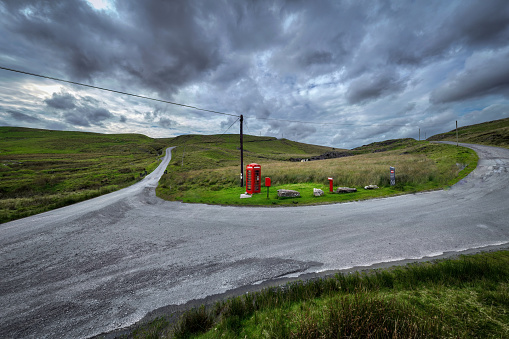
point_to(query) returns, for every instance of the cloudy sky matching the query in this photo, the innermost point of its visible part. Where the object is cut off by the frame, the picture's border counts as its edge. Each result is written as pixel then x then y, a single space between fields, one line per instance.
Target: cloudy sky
pixel 356 71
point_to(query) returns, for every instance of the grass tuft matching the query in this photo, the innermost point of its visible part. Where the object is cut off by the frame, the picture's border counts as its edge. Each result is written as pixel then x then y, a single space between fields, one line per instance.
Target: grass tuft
pixel 463 297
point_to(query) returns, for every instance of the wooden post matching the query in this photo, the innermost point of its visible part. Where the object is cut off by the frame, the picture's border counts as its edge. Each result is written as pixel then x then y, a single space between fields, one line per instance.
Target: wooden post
pixel 241 152
pixel 457 133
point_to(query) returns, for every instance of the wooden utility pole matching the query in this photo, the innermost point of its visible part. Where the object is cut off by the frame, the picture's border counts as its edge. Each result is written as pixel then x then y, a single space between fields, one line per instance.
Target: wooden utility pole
pixel 241 152
pixel 419 134
pixel 457 133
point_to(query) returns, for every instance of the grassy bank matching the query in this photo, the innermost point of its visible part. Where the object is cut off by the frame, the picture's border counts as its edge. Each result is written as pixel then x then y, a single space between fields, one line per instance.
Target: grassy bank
pixel 466 297
pixel 491 133
pixel 419 166
pixel 41 170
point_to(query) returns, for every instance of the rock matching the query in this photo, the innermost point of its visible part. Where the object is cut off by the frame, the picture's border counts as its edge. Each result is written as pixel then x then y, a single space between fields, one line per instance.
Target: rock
pixel 288 194
pixel 346 190
pixel 371 187
pixel 317 192
pixel 244 196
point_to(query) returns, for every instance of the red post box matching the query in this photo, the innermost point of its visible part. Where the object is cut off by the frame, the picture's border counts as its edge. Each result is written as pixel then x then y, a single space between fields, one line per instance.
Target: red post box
pixel 331 185
pixel 253 178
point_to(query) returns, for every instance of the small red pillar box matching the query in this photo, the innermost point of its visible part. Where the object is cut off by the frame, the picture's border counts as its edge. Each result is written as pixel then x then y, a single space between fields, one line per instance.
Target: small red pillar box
pixel 253 178
pixel 331 185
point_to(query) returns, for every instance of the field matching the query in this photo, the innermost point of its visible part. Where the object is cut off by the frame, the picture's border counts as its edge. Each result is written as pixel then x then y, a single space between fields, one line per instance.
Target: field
pixel 419 166
pixel 491 133
pixel 467 297
pixel 41 170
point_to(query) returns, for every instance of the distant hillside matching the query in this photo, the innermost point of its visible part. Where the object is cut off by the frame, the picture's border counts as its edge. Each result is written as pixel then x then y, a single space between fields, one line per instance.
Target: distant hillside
pixel 214 151
pixel 21 140
pixel 41 170
pixel 492 133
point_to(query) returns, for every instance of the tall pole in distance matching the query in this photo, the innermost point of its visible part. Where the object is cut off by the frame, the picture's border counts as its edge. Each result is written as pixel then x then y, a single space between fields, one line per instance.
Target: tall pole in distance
pixel 456 133
pixel 241 152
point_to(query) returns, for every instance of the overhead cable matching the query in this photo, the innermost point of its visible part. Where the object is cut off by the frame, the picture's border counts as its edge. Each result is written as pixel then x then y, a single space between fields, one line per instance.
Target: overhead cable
pixel 114 91
pixel 193 107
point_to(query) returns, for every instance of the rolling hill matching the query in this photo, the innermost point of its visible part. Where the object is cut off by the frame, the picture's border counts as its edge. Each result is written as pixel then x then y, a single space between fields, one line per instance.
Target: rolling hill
pixel 491 133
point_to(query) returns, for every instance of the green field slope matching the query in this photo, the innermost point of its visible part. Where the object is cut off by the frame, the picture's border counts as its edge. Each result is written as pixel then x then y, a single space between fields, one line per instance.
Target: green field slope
pixel 213 151
pixel 42 170
pixel 491 133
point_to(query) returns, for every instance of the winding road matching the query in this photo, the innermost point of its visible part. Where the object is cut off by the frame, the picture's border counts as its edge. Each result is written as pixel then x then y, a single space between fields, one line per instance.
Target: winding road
pixel 103 264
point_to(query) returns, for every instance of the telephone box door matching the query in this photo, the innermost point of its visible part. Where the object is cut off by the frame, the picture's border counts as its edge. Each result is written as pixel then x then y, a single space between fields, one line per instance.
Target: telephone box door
pixel 253 178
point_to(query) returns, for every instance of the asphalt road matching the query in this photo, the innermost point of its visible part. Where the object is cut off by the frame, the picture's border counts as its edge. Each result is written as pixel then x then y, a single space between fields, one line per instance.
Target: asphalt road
pixel 103 264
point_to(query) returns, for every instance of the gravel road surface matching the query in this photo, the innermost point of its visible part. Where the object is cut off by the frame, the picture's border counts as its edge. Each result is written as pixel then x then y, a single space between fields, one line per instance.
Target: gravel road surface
pixel 103 264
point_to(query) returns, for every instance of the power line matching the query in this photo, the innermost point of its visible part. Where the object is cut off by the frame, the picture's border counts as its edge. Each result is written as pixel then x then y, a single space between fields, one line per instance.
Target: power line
pixel 193 107
pixel 219 137
pixel 114 91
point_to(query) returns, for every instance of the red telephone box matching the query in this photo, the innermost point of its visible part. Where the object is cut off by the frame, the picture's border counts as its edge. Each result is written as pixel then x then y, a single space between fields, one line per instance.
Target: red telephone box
pixel 253 178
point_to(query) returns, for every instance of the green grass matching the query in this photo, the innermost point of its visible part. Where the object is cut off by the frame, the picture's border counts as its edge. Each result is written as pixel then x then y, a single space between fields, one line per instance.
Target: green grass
pixel 491 133
pixel 467 297
pixel 41 170
pixel 211 151
pixel 420 166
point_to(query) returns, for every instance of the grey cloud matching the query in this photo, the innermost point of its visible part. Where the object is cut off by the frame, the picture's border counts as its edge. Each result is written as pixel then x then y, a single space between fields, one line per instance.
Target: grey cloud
pixel 292 131
pixel 316 57
pixel 167 123
pixel 480 23
pixel 171 50
pixel 229 122
pixel 75 118
pixel 482 75
pixel 18 116
pixel 84 111
pixel 296 131
pixel 373 86
pixel 87 116
pixel 294 60
pixel 70 27
pixel 64 101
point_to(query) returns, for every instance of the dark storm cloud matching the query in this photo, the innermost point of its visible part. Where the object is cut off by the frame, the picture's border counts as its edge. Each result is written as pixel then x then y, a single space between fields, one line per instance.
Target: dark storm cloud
pixel 64 101
pixel 373 86
pixel 69 32
pixel 87 116
pixel 79 111
pixel 167 123
pixel 291 60
pixel 482 75
pixel 167 45
pixel 18 116
pixel 162 45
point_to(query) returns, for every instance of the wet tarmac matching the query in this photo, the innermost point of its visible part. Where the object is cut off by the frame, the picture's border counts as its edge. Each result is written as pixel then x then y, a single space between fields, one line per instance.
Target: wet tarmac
pixel 105 263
